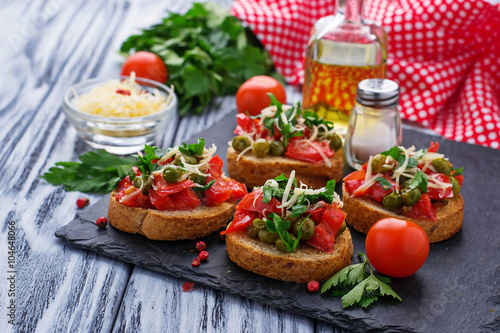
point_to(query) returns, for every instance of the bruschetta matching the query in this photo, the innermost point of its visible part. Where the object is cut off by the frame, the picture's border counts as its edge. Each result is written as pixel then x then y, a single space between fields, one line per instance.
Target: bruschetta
pixel 281 139
pixel 288 231
pixel 421 186
pixel 179 193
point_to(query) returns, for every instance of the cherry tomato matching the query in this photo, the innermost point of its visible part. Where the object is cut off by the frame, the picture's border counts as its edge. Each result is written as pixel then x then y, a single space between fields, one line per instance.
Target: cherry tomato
pixel 252 95
pixel 396 247
pixel 146 65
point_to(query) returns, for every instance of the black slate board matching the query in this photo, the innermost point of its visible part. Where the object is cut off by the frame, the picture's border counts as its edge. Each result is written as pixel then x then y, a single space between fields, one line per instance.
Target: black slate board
pixel 457 290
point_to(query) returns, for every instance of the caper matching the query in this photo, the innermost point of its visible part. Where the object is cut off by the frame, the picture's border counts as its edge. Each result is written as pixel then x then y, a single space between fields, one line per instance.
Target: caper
pixel 198 179
pixel 441 165
pixel 252 232
pixel 144 182
pixel 188 159
pixel 146 186
pixel 403 179
pixel 280 245
pixel 393 201
pixel 335 142
pixel 455 186
pixel 276 148
pixel 259 223
pixel 240 143
pixel 267 236
pixel 342 229
pixel 308 228
pixel 260 148
pixel 137 182
pixel 410 197
pixel 379 164
pixel 172 173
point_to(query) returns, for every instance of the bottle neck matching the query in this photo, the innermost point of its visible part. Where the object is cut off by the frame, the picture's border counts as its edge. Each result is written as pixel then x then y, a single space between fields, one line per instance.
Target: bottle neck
pixel 353 11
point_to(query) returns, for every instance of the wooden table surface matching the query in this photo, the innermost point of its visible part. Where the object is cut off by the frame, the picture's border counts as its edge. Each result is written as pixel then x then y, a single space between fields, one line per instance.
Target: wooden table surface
pixel 46 46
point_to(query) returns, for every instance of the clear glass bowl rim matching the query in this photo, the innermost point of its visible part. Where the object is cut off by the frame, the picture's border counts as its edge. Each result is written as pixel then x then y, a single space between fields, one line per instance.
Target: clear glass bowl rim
pixel 70 107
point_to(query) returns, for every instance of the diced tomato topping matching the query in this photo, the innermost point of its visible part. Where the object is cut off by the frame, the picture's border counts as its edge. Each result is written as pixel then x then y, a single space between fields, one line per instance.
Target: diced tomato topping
pixel 326 231
pixel 303 150
pixel 460 179
pixel 223 190
pixel 433 148
pixel 378 193
pixel 185 199
pixel 354 180
pixel 242 219
pixel 245 123
pixel 323 238
pixel 238 190
pixel 160 202
pixel 423 209
pixel 164 188
pixel 334 218
pixel 217 193
pixel 317 212
pixel 124 183
pixel 215 166
pixel 247 203
pixel 134 199
pixel 440 193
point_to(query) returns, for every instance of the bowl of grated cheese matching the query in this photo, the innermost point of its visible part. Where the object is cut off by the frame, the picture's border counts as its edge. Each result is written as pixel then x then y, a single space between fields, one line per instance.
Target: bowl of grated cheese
pixel 121 115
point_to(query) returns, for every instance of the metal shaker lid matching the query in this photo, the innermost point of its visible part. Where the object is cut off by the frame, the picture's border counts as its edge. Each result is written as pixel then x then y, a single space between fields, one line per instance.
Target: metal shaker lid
pixel 378 93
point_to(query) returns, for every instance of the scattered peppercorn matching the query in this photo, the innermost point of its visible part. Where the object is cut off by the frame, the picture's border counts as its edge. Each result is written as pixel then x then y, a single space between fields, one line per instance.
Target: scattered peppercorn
pixel 200 246
pixel 82 202
pixel 123 92
pixel 196 261
pixel 203 255
pixel 187 286
pixel 312 286
pixel 102 222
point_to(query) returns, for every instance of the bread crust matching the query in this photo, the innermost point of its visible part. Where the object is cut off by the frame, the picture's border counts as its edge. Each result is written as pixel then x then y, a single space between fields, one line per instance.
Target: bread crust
pixel 363 212
pixel 169 225
pixel 254 171
pixel 302 266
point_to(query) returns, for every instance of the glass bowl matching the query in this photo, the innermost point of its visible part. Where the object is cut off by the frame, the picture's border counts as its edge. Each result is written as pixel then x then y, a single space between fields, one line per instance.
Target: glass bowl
pixel 119 136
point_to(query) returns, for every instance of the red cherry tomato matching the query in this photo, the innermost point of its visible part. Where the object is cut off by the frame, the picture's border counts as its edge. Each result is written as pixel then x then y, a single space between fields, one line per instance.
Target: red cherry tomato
pixel 146 65
pixel 252 95
pixel 396 247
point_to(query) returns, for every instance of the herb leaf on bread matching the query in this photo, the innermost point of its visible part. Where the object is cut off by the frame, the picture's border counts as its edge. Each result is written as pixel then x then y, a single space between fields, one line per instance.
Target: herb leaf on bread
pixel 357 286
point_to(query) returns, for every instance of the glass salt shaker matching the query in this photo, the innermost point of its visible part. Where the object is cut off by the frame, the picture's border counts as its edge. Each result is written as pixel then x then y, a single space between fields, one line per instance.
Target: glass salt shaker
pixel 375 123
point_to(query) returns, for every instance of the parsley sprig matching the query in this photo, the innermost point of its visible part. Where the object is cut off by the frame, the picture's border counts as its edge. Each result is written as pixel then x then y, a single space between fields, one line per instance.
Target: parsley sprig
pixel 98 172
pixel 356 285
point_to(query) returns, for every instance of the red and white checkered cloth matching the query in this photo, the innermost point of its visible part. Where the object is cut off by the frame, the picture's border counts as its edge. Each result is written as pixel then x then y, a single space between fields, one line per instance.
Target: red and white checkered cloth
pixel 444 54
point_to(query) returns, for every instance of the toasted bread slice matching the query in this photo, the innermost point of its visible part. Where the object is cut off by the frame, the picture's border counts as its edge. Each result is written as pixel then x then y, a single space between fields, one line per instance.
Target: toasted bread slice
pixel 169 225
pixel 363 212
pixel 302 266
pixel 255 171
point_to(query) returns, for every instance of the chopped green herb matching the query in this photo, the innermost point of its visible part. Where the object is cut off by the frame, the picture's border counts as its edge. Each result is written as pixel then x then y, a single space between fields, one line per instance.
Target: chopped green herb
pixel 206 187
pixel 384 183
pixel 458 171
pixel 275 224
pixel 195 149
pixel 419 181
pixel 356 285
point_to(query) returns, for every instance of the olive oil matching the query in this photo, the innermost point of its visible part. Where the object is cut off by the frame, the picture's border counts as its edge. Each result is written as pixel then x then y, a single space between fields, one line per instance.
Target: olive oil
pixel 343 50
pixel 330 90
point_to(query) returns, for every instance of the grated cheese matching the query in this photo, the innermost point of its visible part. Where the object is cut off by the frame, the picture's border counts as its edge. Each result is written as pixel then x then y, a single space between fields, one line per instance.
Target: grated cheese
pixel 104 100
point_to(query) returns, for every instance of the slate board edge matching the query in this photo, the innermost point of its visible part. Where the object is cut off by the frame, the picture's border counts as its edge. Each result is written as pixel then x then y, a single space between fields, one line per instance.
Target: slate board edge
pixel 363 324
